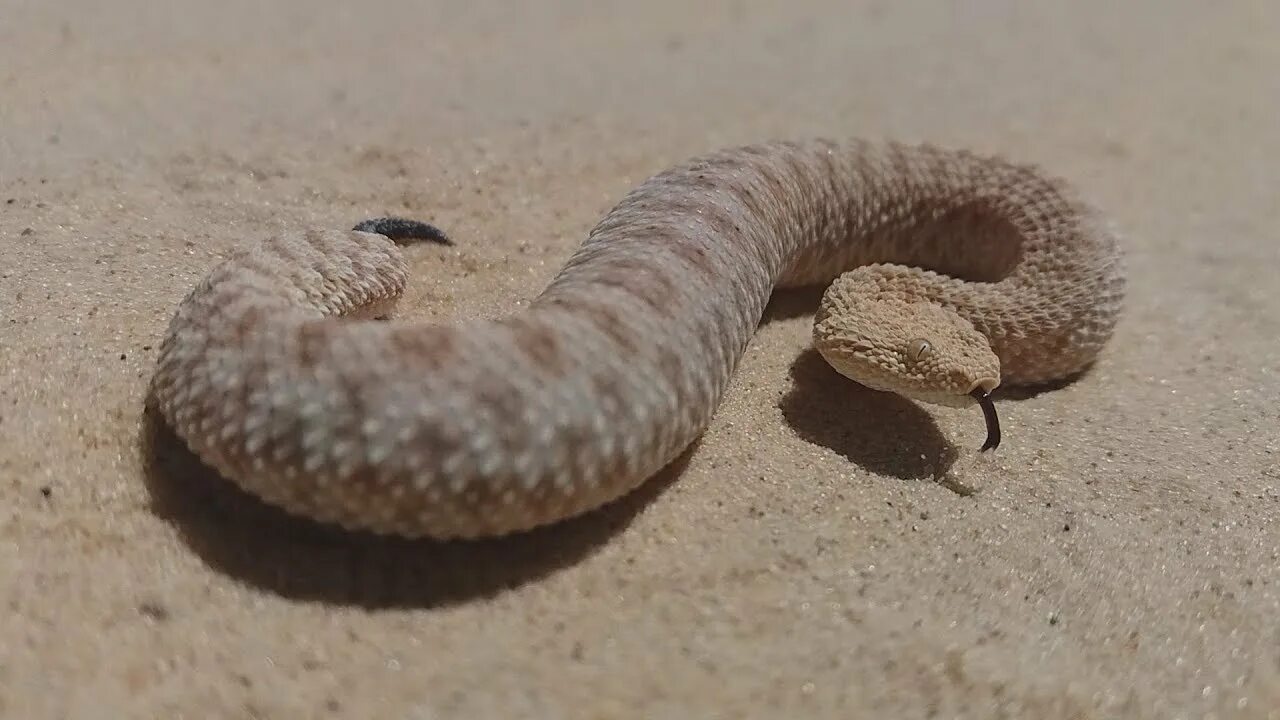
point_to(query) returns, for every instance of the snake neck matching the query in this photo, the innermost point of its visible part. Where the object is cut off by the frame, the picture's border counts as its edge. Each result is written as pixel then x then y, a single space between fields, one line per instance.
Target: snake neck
pixel 1010 249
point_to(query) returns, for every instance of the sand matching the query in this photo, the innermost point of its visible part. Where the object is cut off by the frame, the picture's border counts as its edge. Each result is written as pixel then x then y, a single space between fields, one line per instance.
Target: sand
pixel 825 551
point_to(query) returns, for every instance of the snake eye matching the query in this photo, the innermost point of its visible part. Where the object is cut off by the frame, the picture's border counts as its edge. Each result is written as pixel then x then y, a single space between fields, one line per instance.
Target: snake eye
pixel 919 349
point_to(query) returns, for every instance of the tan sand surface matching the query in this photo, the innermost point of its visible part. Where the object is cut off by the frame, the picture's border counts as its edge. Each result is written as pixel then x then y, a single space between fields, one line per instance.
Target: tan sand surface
pixel 825 551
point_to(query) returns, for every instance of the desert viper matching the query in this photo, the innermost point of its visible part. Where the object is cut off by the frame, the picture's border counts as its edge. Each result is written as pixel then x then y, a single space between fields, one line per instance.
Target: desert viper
pixel 953 272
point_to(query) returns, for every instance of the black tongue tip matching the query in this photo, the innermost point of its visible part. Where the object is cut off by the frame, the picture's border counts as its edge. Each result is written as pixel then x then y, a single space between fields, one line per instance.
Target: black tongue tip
pixel 993 421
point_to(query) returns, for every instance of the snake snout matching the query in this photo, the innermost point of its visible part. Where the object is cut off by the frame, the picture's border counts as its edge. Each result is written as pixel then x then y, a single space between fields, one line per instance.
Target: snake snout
pixel 984 386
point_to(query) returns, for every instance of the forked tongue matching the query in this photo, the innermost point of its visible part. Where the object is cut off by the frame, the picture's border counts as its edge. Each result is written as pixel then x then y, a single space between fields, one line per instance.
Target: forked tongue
pixel 993 421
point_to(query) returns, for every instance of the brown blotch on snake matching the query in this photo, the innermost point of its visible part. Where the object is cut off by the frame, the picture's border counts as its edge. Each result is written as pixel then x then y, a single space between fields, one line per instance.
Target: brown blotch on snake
pixel 953 273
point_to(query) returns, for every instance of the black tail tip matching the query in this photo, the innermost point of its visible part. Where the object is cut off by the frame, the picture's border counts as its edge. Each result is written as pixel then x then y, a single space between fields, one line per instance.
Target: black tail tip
pixel 403 229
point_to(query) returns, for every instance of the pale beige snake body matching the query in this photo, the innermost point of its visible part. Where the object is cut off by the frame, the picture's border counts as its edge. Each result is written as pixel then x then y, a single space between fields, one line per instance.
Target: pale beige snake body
pixel 494 426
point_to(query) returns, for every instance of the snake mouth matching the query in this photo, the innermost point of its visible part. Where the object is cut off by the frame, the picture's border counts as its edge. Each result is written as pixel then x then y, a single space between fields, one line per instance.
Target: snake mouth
pixel 983 396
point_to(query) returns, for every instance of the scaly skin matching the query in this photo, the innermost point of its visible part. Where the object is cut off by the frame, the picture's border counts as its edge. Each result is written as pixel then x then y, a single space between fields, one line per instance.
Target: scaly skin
pixel 495 426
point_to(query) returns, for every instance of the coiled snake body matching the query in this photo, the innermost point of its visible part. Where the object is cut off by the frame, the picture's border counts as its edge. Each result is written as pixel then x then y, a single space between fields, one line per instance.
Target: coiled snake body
pixel 963 272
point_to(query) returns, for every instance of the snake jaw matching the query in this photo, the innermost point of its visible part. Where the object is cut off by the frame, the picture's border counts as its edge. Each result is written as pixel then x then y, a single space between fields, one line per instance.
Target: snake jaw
pixel 983 397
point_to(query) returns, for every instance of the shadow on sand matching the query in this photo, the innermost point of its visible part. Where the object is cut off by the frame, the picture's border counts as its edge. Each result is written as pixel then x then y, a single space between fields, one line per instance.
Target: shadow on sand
pixel 881 432
pixel 238 535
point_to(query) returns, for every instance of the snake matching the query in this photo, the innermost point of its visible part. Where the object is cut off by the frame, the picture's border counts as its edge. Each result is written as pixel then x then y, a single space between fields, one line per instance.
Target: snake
pixel 945 273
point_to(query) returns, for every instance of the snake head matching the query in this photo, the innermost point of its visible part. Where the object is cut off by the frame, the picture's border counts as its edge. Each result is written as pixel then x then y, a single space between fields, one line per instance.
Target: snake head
pixel 919 349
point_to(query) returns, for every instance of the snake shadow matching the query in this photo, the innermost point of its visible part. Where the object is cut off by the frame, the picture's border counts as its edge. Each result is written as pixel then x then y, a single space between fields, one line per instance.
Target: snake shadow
pixel 1018 393
pixel 881 432
pixel 793 302
pixel 240 536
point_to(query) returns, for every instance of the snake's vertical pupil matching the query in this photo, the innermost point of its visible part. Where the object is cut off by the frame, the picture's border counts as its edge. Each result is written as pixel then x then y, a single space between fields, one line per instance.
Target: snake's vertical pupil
pixel 919 349
pixel 993 421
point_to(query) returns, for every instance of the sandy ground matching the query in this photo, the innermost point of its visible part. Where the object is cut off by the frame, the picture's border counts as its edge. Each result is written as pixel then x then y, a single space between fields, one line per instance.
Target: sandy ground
pixel 824 552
